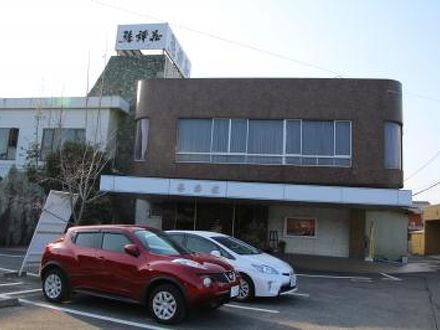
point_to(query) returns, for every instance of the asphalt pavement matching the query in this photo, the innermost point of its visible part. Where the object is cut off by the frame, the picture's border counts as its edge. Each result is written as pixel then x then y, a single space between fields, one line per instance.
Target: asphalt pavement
pixel 324 301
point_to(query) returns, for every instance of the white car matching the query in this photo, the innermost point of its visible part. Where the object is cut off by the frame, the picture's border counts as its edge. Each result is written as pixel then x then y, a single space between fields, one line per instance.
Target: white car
pixel 262 274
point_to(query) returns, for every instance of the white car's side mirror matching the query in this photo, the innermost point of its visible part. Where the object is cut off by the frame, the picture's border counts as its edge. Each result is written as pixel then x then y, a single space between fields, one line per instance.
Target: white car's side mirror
pixel 216 253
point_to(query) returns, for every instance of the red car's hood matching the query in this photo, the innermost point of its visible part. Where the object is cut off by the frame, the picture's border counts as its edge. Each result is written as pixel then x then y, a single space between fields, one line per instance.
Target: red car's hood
pixel 207 259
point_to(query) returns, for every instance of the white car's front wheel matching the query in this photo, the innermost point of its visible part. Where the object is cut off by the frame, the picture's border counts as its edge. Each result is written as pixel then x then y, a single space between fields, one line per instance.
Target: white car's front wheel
pixel 247 290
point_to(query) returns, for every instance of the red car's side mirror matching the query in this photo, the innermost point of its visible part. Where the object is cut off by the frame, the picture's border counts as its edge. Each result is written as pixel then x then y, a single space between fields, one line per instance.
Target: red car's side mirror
pixel 132 249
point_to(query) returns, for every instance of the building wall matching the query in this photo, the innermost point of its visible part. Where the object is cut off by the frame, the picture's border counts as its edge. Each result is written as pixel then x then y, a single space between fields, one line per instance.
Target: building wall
pixel 417 243
pixel 120 77
pixel 391 232
pixel 431 219
pixel 332 234
pixel 367 103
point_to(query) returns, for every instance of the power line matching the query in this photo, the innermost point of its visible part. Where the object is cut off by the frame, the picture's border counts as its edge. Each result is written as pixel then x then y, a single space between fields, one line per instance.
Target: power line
pixel 427 188
pixel 430 98
pixel 421 168
pixel 337 74
pixel 230 41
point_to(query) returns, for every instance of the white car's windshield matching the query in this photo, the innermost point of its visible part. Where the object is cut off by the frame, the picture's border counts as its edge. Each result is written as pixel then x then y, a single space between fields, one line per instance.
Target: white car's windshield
pixel 159 243
pixel 236 245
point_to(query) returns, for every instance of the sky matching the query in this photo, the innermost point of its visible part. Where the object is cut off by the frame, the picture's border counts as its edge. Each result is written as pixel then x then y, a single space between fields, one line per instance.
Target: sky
pixel 48 45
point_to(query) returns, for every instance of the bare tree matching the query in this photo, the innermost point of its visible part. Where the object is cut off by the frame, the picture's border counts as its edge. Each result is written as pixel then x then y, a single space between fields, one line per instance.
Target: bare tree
pixel 80 168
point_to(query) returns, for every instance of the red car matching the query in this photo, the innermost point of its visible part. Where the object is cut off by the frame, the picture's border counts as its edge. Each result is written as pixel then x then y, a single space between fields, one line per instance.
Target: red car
pixel 135 264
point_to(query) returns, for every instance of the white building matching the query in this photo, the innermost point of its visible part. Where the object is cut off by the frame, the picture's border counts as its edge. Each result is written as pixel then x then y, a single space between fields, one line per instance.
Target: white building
pixel 25 122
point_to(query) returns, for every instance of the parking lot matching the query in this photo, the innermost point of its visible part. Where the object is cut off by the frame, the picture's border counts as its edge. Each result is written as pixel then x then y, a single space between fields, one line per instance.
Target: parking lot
pixel 324 301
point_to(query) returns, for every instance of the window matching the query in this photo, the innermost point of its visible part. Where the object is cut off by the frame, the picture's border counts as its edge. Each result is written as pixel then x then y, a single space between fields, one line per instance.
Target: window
pixel 141 143
pixel 159 243
pixel 8 143
pixel 303 227
pixel 393 146
pixel 178 238
pixel 236 245
pixel 53 138
pixel 203 245
pixel 249 141
pixel 115 242
pixel 87 239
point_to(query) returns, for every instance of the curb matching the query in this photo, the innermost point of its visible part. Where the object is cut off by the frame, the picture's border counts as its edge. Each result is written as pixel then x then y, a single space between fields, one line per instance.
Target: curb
pixel 8 302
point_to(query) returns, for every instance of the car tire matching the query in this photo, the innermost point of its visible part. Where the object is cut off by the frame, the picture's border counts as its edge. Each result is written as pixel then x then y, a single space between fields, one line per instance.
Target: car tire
pixel 166 304
pixel 55 286
pixel 247 289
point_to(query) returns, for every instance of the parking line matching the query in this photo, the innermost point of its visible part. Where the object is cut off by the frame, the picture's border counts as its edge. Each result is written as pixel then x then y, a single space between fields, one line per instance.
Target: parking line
pixel 92 315
pixel 15 270
pixel 11 284
pixel 306 295
pixel 272 311
pixel 336 277
pixel 389 277
pixel 21 292
pixel 11 255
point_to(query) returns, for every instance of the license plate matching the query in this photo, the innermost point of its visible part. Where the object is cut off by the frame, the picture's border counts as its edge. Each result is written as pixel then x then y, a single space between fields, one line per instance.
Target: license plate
pixel 234 291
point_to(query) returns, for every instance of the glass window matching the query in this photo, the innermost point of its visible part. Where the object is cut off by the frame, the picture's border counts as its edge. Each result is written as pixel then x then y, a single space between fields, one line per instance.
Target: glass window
pixel 87 239
pixel 157 242
pixel 293 137
pixel 318 138
pixel 265 142
pixel 178 238
pixel 141 142
pixel 194 135
pixel 8 143
pixel 343 137
pixel 238 135
pixel 220 135
pixel 200 244
pixel 204 245
pixel 300 227
pixel 265 137
pixel 115 242
pixel 53 138
pixel 393 146
pixel 236 245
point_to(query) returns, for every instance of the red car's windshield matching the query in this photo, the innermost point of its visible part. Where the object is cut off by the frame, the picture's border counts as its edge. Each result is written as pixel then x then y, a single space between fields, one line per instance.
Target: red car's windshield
pixel 157 242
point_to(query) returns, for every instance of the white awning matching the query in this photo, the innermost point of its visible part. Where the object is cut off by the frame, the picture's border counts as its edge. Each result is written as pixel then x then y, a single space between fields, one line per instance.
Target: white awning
pixel 256 191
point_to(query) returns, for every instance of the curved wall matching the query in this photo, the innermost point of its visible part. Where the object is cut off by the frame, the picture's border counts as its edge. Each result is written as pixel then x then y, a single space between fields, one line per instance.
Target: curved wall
pixel 368 103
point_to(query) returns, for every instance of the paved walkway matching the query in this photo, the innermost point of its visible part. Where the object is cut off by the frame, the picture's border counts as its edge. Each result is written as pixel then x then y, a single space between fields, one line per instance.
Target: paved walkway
pixel 348 265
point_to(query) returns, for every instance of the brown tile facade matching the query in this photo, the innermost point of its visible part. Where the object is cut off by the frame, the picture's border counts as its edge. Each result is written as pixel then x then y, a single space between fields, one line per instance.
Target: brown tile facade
pixel 368 103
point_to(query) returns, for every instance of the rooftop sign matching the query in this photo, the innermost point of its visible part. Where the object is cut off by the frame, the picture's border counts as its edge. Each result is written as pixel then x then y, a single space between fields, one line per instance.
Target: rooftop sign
pixel 153 37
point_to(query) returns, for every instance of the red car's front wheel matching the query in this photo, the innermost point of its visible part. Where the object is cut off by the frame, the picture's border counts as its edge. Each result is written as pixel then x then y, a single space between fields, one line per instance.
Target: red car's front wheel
pixel 166 304
pixel 55 286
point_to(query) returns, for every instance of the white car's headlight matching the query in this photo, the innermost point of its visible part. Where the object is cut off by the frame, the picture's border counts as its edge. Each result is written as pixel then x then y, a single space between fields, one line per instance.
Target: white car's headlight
pixel 189 263
pixel 265 269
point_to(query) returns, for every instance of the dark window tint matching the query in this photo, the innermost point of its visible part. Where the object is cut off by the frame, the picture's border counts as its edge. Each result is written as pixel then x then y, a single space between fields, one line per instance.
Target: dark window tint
pixel 114 242
pixel 178 238
pixel 203 245
pixel 158 242
pixel 236 245
pixel 87 239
